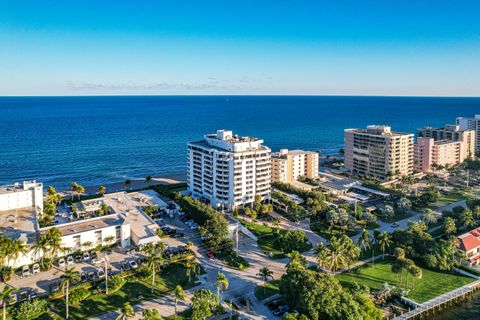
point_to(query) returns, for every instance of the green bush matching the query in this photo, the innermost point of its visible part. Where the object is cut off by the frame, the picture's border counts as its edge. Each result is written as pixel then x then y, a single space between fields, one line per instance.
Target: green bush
pixel 79 295
pixel 115 282
pixel 31 309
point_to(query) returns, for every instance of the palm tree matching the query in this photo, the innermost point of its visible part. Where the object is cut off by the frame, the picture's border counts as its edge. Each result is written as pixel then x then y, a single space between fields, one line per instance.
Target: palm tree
pixel 265 274
pixel 126 311
pixel 449 226
pixel 189 245
pixel 70 275
pixel 416 272
pixel 297 258
pixel 54 237
pixel 191 267
pixel 109 240
pixel 127 183
pixel 41 248
pixel 6 295
pixel 429 217
pixel 101 190
pixel 154 262
pixel 148 179
pixel 397 269
pixel 16 247
pixel 87 245
pixel 74 187
pixel 179 296
pixel 384 242
pixel 222 283
pixel 364 240
pixel 80 190
pixel 321 254
pixel 336 257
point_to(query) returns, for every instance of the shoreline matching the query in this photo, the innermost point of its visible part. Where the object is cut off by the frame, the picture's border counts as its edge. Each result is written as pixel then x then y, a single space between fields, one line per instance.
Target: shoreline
pixel 136 183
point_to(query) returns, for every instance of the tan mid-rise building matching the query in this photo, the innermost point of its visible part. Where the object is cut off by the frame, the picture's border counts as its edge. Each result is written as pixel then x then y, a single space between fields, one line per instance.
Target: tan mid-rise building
pixel 290 165
pixel 429 153
pixel 453 133
pixel 378 153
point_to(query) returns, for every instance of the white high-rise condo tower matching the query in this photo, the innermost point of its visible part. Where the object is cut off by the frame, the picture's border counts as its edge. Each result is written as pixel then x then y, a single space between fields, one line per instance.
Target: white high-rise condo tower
pixel 228 170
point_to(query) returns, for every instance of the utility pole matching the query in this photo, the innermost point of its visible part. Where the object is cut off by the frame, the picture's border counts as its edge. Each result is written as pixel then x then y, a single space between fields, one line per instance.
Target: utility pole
pixel 236 237
pixel 106 273
pixel 468 176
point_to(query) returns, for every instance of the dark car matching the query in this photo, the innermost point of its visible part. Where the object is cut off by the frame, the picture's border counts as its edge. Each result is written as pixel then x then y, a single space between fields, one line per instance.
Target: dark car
pixel 178 235
pixel 125 266
pixel 274 304
pixel 54 286
pixel 83 277
pixel 280 311
pixel 78 259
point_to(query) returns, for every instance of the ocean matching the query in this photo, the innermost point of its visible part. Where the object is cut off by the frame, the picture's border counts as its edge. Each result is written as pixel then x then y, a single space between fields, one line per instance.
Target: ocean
pixel 95 140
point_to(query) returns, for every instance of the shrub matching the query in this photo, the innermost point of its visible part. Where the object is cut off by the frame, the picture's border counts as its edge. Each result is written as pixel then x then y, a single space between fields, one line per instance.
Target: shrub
pixel 78 295
pixel 31 309
pixel 115 282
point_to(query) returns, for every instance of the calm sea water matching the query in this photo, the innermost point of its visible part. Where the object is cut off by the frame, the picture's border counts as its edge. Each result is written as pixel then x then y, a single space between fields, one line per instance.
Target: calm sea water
pixel 103 139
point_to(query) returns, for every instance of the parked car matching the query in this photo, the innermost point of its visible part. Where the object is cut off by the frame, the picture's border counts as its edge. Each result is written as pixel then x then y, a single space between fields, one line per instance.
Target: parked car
pixel 25 271
pixel 61 263
pixel 91 276
pixel 86 257
pixel 78 259
pixel 13 298
pixel 274 304
pixel 70 260
pixel 281 310
pixel 178 235
pixel 125 266
pixel 32 294
pixel 93 254
pixel 97 260
pixel 54 286
pixel 23 296
pixel 210 254
pixel 133 264
pixel 83 277
pixel 36 268
pixel 100 273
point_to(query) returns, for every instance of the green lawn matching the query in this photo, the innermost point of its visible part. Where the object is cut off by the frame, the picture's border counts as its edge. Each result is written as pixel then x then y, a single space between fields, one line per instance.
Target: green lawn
pixel 133 291
pixel 272 288
pixel 451 197
pixel 233 261
pixel 267 239
pixel 431 285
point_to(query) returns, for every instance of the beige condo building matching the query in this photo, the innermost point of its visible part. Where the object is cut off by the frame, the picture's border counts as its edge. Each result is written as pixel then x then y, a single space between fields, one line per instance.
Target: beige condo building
pixel 453 133
pixel 378 153
pixel 429 152
pixel 289 165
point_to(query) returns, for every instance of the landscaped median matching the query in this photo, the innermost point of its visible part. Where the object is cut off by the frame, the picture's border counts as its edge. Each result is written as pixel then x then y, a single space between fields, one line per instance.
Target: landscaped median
pixel 276 243
pixel 432 284
pixel 265 291
pixel 134 290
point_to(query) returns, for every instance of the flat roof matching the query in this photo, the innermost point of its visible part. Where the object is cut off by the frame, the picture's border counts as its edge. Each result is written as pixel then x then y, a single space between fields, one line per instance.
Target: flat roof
pixel 204 144
pixel 129 205
pixel 19 224
pixel 89 224
pixel 340 184
pixel 377 192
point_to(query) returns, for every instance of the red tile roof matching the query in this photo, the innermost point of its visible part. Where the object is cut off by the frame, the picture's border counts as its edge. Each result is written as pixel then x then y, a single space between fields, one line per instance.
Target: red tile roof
pixel 474 259
pixel 476 232
pixel 468 242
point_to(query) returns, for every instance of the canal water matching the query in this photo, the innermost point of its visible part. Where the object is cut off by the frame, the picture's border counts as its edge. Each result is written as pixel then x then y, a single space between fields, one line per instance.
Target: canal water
pixel 468 309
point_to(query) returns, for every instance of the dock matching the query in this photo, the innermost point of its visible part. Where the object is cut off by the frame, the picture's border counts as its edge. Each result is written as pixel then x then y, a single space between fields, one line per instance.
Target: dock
pixel 431 307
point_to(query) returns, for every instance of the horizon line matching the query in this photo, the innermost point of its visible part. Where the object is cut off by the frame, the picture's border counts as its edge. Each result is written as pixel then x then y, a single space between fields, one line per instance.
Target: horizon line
pixel 237 95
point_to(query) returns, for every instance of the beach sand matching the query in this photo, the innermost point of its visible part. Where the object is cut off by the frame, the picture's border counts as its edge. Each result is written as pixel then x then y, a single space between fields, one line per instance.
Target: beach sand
pixel 137 183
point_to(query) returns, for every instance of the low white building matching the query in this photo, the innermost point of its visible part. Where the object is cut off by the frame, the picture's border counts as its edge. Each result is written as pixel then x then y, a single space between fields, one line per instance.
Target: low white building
pixel 28 194
pixel 126 224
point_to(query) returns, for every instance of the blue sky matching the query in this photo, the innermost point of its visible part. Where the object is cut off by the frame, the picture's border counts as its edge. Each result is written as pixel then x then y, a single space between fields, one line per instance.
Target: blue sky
pixel 240 47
